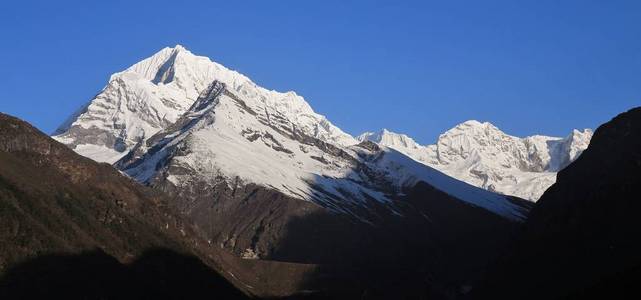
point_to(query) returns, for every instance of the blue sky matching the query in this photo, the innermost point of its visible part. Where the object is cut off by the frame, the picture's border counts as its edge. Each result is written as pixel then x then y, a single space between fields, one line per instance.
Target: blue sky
pixel 414 67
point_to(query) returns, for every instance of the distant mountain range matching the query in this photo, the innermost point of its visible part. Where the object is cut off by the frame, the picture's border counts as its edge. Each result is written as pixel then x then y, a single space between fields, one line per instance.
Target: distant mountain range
pixel 198 176
pixel 154 93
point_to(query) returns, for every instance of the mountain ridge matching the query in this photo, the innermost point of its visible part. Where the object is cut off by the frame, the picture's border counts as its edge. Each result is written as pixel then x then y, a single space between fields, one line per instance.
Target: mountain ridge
pixel 226 127
pixel 482 155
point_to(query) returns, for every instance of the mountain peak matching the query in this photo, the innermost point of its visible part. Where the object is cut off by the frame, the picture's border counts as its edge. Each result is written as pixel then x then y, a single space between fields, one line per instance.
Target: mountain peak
pixel 585 131
pixel 383 133
pixel 154 92
pixel 390 139
pixel 474 124
pixel 180 47
pixel 470 133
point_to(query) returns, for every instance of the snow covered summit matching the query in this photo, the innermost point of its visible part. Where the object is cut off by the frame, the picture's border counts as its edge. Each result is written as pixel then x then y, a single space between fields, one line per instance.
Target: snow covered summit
pixel 153 93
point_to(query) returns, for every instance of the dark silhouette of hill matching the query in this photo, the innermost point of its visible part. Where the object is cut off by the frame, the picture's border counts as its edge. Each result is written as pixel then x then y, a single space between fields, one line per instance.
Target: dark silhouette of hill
pixel 156 274
pixel 622 285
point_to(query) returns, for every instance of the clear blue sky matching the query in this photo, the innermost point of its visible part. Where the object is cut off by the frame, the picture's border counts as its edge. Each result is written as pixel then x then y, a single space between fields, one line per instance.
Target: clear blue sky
pixel 414 67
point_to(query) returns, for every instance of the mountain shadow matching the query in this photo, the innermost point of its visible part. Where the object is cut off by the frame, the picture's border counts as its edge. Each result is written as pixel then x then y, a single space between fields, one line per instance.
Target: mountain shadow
pixel 156 274
pixel 622 285
pixel 433 249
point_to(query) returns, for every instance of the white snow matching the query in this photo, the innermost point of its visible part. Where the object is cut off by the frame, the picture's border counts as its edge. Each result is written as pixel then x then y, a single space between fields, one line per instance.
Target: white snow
pixel 409 172
pixel 99 153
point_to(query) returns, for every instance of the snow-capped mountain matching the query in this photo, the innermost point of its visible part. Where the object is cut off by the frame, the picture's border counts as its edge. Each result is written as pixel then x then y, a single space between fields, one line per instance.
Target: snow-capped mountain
pixel 153 93
pixel 262 176
pixel 151 120
pixel 482 155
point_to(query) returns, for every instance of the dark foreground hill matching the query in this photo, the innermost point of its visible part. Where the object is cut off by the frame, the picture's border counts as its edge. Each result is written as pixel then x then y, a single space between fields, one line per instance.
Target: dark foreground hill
pixel 157 274
pixel 583 238
pixel 72 227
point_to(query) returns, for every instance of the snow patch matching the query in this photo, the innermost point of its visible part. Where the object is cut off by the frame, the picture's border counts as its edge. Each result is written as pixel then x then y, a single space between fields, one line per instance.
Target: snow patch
pixel 99 153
